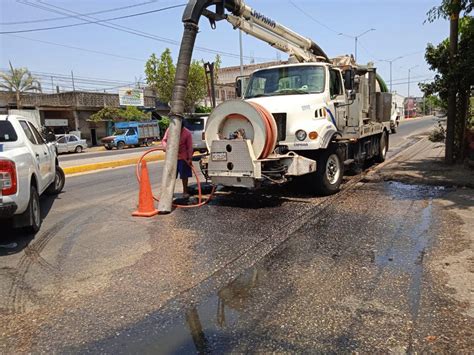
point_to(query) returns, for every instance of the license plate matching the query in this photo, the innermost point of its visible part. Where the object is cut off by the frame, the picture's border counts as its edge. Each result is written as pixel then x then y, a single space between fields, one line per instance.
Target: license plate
pixel 219 156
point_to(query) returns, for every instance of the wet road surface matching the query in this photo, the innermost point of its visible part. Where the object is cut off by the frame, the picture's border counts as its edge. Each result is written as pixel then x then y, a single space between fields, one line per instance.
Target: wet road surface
pixel 268 271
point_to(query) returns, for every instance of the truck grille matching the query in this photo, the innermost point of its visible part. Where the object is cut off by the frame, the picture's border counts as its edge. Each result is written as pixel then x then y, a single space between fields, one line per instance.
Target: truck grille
pixel 280 119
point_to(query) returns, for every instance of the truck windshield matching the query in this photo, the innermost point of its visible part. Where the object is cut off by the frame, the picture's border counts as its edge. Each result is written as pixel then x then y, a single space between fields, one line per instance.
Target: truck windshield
pixel 286 81
pixel 7 132
pixel 119 132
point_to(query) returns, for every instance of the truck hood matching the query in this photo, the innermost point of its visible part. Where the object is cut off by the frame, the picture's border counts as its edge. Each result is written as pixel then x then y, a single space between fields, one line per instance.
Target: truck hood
pixel 108 139
pixel 291 103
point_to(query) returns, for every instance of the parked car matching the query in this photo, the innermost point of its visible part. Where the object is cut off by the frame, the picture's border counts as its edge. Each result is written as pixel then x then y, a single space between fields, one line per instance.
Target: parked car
pixel 196 124
pixel 67 143
pixel 28 168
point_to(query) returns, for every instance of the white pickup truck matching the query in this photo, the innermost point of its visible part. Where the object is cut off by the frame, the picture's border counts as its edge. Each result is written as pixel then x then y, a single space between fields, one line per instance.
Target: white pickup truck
pixel 28 168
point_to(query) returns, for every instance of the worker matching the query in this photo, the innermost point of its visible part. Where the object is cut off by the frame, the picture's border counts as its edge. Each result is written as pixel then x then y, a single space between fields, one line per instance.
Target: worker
pixel 185 155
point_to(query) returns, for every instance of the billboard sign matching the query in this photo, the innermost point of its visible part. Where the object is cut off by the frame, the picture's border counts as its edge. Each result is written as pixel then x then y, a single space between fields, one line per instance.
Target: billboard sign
pixel 131 97
pixel 56 122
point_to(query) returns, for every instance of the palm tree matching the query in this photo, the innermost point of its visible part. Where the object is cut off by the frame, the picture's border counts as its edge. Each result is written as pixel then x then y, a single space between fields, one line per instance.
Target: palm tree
pixel 19 80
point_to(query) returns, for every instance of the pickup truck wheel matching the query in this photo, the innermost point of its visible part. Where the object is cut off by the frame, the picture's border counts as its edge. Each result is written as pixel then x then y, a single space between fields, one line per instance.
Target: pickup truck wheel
pixel 147 143
pixel 329 172
pixel 33 212
pixel 383 148
pixel 120 145
pixel 108 148
pixel 57 186
pixel 78 149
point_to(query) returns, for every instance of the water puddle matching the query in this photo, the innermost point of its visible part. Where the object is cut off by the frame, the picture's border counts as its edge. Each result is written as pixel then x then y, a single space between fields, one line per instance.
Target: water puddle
pixel 207 327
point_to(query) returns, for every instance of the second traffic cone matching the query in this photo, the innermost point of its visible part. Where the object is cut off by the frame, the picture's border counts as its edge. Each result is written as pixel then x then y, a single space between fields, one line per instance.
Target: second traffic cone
pixel 146 207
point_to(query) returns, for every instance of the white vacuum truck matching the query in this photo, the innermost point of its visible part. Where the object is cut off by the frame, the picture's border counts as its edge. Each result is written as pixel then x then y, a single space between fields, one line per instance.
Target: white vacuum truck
pixel 307 118
pixel 310 117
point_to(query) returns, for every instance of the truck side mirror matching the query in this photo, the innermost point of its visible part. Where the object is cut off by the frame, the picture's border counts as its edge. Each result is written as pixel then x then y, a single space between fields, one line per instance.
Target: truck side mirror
pixel 349 79
pixel 238 88
pixel 351 95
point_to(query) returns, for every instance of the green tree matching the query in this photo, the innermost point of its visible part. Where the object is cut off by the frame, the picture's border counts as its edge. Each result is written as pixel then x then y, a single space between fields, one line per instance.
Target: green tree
pixel 130 113
pixel 160 73
pixel 453 73
pixel 18 81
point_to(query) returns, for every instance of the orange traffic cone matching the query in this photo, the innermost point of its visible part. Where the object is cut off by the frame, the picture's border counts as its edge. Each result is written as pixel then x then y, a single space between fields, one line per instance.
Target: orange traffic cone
pixel 146 207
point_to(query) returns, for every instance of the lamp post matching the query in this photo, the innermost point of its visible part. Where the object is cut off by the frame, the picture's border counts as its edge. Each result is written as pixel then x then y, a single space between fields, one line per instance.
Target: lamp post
pixel 391 61
pixel 356 38
pixel 409 71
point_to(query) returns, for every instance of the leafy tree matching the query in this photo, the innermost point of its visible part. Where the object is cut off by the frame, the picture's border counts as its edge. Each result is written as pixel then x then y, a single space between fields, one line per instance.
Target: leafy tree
pixel 160 73
pixel 18 81
pixel 130 113
pixel 453 73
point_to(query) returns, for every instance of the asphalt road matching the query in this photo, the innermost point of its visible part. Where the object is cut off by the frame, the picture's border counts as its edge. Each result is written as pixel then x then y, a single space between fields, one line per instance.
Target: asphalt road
pixel 94 154
pixel 273 270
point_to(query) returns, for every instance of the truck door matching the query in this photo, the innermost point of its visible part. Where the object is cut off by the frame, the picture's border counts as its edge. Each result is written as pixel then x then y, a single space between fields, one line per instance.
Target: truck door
pixel 41 155
pixel 338 98
pixel 131 137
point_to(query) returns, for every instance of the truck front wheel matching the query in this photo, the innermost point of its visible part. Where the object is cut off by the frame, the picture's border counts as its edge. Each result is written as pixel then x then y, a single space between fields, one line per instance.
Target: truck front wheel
pixel 120 145
pixel 329 172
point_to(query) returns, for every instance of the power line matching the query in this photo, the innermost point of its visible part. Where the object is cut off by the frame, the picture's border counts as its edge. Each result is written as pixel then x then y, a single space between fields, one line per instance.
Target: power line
pixel 80 48
pixel 48 7
pixel 67 17
pixel 313 18
pixel 94 22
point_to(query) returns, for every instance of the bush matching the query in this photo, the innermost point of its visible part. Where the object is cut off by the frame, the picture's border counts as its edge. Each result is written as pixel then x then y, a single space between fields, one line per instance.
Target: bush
pixel 437 134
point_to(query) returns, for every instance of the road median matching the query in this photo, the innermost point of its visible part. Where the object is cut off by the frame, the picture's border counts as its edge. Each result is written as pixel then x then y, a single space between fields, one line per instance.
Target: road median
pixel 71 170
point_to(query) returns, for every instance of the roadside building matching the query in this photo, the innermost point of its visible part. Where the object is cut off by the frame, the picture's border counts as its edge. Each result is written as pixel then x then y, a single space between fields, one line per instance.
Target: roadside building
pixel 70 111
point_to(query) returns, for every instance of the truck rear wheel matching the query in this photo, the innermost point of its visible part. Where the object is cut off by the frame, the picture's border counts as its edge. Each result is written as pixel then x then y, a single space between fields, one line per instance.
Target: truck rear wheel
pixel 383 148
pixel 33 212
pixel 329 172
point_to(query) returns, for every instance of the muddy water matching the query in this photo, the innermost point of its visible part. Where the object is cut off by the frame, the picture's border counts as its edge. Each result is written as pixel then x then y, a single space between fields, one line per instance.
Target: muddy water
pixel 349 279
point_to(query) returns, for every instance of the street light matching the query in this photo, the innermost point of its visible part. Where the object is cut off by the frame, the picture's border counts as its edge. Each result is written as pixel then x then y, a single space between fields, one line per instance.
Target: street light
pixel 409 70
pixel 356 38
pixel 391 61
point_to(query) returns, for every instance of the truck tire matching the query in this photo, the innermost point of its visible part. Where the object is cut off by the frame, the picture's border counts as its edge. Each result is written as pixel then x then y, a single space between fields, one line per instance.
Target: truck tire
pixel 329 172
pixel 147 143
pixel 58 184
pixel 383 148
pixel 78 149
pixel 120 145
pixel 107 147
pixel 33 212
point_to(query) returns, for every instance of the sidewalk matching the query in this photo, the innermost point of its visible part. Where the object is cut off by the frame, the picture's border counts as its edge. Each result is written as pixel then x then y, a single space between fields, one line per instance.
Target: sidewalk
pixel 423 163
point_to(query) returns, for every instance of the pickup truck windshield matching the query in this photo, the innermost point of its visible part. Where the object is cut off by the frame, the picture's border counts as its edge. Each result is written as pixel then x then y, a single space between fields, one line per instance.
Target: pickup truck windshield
pixel 7 132
pixel 286 81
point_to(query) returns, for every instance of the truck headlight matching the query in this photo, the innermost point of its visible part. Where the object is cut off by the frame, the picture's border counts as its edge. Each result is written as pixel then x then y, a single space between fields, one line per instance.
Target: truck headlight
pixel 300 135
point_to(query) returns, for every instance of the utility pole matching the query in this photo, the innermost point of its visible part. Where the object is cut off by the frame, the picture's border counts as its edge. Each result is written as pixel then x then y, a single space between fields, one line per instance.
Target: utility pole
pixel 390 61
pixel 409 71
pixel 241 54
pixel 72 77
pixel 453 49
pixel 356 38
pixel 52 85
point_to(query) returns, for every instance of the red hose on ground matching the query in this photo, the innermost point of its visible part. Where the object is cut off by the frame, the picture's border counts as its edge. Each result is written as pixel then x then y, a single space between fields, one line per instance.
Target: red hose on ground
pixel 200 201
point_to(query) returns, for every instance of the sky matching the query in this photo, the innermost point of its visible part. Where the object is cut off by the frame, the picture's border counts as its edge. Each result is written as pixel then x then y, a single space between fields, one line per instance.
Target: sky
pixel 105 58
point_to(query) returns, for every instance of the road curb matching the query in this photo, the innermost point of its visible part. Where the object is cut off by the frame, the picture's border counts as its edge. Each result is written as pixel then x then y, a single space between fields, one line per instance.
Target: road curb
pixel 110 164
